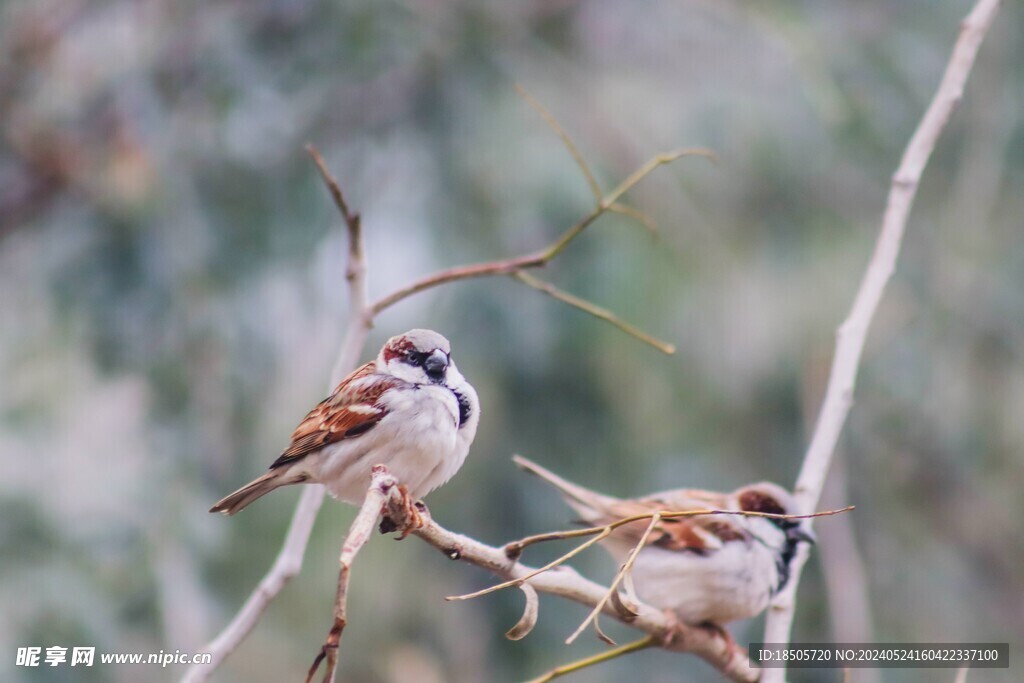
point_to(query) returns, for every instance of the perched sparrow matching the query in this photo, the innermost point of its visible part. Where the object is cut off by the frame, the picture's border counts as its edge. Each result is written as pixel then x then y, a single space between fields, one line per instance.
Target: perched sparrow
pixel 410 409
pixel 706 569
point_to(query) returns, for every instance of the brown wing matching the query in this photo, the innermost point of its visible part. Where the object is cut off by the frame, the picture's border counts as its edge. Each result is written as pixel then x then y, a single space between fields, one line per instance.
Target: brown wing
pixel 353 409
pixel 699 533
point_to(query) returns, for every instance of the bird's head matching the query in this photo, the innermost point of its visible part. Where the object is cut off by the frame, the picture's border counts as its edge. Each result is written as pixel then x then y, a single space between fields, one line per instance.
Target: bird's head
pixel 772 499
pixel 417 356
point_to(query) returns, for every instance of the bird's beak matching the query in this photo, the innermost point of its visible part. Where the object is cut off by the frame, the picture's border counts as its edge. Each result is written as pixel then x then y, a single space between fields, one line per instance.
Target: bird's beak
pixel 800 533
pixel 436 364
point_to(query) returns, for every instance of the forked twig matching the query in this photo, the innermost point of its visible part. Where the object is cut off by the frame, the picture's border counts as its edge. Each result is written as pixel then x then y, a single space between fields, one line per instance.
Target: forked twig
pixel 574 151
pixel 543 257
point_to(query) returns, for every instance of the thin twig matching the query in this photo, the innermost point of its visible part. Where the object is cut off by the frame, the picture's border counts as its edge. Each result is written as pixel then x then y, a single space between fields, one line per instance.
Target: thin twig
pixel 514 549
pixel 853 331
pixel 627 566
pixel 574 152
pixel 727 657
pixel 541 258
pixel 594 310
pixel 637 215
pixel 599 658
pixel 355 274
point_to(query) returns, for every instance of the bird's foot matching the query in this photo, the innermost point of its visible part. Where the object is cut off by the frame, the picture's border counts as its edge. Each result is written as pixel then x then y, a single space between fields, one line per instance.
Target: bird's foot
pixel 720 632
pixel 675 631
pixel 410 513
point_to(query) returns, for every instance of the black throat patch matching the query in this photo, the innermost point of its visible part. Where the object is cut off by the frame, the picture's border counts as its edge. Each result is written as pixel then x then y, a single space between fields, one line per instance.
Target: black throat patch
pixel 465 410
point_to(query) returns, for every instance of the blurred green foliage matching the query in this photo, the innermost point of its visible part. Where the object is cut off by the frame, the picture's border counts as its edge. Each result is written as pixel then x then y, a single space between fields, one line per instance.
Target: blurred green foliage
pixel 171 272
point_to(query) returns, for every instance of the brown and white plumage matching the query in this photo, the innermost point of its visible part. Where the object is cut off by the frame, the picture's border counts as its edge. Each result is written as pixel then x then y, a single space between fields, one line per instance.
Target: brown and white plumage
pixel 707 568
pixel 410 409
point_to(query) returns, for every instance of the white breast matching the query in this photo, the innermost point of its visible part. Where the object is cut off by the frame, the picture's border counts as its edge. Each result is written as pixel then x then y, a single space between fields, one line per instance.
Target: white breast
pixel 735 582
pixel 417 441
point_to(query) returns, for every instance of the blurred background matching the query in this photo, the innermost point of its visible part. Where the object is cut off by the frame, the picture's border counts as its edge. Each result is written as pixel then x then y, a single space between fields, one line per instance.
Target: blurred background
pixel 172 299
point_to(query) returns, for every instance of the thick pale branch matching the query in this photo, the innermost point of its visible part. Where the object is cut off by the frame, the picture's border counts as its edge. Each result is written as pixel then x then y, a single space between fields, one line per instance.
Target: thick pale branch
pixel 565 582
pixel 853 331
pixel 520 580
pixel 285 567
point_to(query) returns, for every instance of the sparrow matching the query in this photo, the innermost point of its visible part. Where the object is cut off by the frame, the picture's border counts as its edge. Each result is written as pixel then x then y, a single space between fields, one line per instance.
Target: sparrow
pixel 705 570
pixel 410 410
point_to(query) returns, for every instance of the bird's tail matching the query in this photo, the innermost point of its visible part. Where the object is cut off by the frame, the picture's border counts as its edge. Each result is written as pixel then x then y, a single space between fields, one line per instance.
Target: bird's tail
pixel 257 488
pixel 592 506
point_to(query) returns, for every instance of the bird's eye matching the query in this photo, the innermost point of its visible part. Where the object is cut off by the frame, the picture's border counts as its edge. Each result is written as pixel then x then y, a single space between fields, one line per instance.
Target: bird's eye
pixel 416 358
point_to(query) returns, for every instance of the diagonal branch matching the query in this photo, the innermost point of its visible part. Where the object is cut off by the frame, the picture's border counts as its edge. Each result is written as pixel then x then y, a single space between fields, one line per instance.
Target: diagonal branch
pixel 289 559
pixel 382 486
pixel 570 146
pixel 594 310
pixel 853 331
pixel 727 657
pixel 599 658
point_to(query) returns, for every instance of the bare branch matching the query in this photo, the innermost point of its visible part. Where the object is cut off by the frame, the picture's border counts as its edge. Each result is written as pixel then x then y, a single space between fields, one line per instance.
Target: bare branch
pixel 637 215
pixel 624 571
pixel 728 658
pixel 289 559
pixel 382 486
pixel 853 331
pixel 594 310
pixel 541 258
pixel 574 152
pixel 599 658
pixel 285 567
pixel 558 562
pixel 360 317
